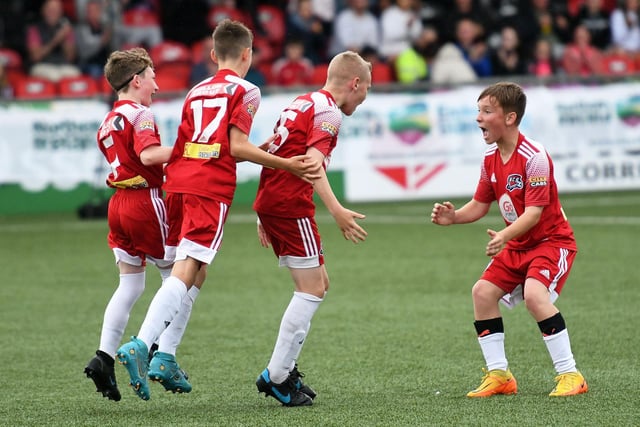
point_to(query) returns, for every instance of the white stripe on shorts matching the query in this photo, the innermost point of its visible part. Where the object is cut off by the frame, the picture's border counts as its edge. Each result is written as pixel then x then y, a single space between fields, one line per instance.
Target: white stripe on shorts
pixel 306 233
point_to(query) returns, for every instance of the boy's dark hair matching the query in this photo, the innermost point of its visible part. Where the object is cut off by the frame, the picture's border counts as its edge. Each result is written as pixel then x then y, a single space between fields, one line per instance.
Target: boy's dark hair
pixel 509 95
pixel 230 38
pixel 123 65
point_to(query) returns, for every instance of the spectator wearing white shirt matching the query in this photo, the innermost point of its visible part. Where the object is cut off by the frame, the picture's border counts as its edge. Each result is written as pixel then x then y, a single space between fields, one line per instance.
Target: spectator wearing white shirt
pixel 625 29
pixel 400 27
pixel 355 28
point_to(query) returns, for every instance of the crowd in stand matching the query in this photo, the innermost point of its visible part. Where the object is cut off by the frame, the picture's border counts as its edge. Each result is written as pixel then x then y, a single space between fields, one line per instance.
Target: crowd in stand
pixel 62 44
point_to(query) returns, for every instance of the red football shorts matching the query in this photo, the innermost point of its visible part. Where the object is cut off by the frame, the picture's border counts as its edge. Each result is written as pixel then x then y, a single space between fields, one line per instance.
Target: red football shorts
pixel 295 241
pixel 195 226
pixel 548 264
pixel 137 225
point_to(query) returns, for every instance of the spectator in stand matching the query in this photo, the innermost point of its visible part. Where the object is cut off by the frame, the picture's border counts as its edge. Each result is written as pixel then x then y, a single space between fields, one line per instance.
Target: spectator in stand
pixel 455 11
pixel 140 23
pixel 412 65
pixel 517 14
pixel 543 63
pixel 449 67
pixel 553 19
pixel 625 29
pixel 470 40
pixel 204 67
pixel 294 68
pixel 51 44
pixel 94 40
pixel 580 57
pixel 507 59
pixel 355 28
pixel 593 15
pixel 304 25
pixel 400 26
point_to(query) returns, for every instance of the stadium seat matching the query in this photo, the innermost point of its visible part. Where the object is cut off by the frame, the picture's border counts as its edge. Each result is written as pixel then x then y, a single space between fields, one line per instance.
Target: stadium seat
pixel 618 64
pixel 78 87
pixel 174 58
pixel 169 82
pixel 35 88
pixel 220 12
pixel 273 22
pixel 12 62
pixel 267 50
pixel 319 77
pixel 382 73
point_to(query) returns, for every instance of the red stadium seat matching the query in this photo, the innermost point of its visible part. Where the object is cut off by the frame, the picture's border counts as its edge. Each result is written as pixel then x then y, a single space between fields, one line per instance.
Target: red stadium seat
pixel 273 22
pixel 382 73
pixel 618 64
pixel 174 58
pixel 78 87
pixel 169 82
pixel 319 77
pixel 12 62
pixel 35 88
pixel 218 13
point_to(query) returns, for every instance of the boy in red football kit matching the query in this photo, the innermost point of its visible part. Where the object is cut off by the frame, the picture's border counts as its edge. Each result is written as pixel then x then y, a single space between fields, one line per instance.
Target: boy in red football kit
pixel 129 140
pixel 200 182
pixel 531 256
pixel 285 207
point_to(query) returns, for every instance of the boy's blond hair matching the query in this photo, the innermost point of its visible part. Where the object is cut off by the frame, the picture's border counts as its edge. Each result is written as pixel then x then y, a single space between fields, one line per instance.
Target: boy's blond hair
pixel 346 65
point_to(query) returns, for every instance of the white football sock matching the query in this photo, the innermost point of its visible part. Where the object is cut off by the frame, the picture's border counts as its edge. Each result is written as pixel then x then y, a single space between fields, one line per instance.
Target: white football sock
pixel 172 336
pixel 163 308
pixel 293 330
pixel 492 347
pixel 559 349
pixel 116 315
pixel 164 273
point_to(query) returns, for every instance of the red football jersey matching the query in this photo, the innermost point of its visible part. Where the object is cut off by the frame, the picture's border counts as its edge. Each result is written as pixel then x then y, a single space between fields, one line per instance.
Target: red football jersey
pixel 124 133
pixel 201 162
pixel 525 180
pixel 311 120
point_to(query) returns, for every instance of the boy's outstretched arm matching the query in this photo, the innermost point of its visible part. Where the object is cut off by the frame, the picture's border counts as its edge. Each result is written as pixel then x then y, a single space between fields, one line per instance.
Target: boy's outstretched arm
pixel 345 218
pixel 446 213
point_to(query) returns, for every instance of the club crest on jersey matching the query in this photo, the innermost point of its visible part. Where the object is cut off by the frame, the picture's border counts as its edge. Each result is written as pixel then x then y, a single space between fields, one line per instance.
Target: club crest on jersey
pixel 514 182
pixel 146 125
pixel 328 127
pixel 538 181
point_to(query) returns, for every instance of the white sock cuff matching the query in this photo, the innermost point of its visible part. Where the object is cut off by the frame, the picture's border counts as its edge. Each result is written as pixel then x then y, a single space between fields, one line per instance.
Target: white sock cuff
pixel 498 336
pixel 132 278
pixel 308 297
pixel 554 337
pixel 193 292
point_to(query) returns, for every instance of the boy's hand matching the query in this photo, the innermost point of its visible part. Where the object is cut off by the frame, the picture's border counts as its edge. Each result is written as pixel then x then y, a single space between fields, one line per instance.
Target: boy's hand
pixel 496 243
pixel 305 167
pixel 262 236
pixel 443 213
pixel 351 230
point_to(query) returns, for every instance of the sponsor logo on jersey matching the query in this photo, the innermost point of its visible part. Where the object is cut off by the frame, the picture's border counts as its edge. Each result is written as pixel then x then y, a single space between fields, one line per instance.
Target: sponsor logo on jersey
pixel 514 182
pixel 146 125
pixel 493 177
pixel 507 209
pixel 538 181
pixel 251 109
pixel 328 127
